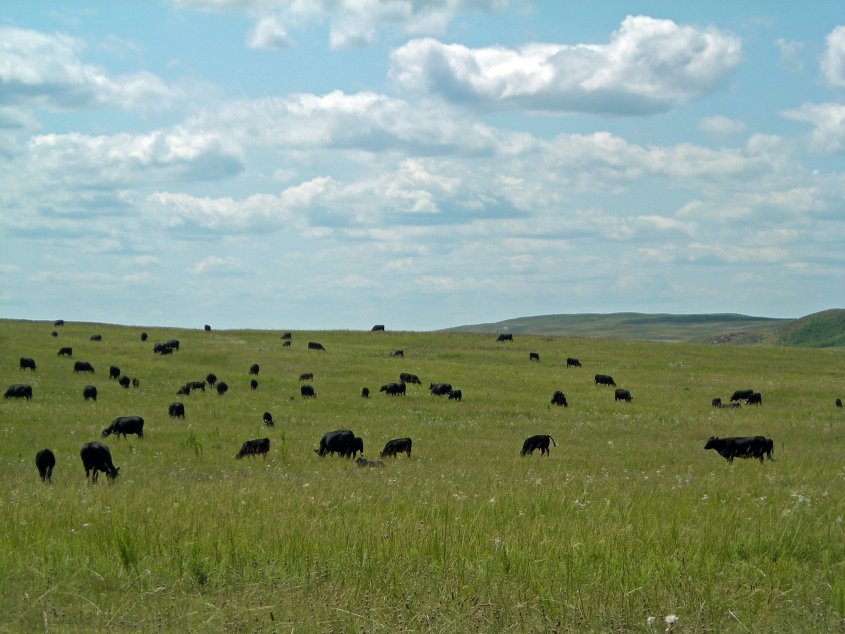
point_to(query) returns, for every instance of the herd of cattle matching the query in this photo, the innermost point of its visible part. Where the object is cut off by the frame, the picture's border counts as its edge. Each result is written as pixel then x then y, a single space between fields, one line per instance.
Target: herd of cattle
pixel 96 457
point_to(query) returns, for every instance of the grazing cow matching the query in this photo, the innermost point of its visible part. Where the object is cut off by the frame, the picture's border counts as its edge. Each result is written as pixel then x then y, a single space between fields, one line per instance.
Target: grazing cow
pixel 839 402
pixel 124 382
pixel 540 441
pixel 144 336
pixel 365 392
pixel 65 352
pixel 45 460
pixel 207 328
pixel 162 348
pixel 393 389
pixel 306 376
pixel 286 336
pixel 54 334
pixel 211 379
pixel 96 337
pixel 622 395
pixel 254 369
pixel 505 337
pixel 123 425
pixel 82 366
pixel 286 344
pixel 255 447
pixel 395 447
pixel 559 398
pixel 407 377
pixel 361 461
pixel 59 322
pixel 604 379
pixel 377 328
pixel 253 384
pixel 533 356
pixel 176 410
pixel 440 389
pixel 173 343
pixel 754 399
pixel 455 395
pixel 313 345
pixel 268 419
pixel 342 442
pixel 307 391
pixel 27 363
pixel 19 391
pixel 114 372
pixel 572 362
pixel 742 447
pixel 196 385
pixel 716 402
pixel 89 391
pixel 136 382
pixel 96 457
pixel 222 388
pixel 398 353
pixel 185 390
pixel 741 395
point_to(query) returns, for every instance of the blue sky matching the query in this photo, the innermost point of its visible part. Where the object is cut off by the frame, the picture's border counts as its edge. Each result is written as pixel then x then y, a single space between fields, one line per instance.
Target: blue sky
pixel 340 163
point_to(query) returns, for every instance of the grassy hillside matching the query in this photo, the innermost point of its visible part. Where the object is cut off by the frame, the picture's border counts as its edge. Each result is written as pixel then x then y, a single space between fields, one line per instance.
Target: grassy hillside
pixel 628 518
pixel 819 330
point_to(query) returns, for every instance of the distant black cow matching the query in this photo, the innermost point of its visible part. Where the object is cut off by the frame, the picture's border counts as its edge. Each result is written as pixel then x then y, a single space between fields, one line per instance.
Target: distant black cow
pixel 361 461
pixel 342 442
pixel 268 419
pixel 540 441
pixel 393 389
pixel 96 457
pixel 114 372
pixel 96 337
pixel 741 395
pixel 533 356
pixel 754 399
pixel 254 369
pixel 604 379
pixel 222 388
pixel 377 328
pixel 185 390
pixel 398 353
pixel 313 345
pixel 27 363
pixel 89 391
pixel 136 382
pixel 440 389
pixel 207 328
pixel 123 425
pixel 59 322
pixel 505 337
pixel 82 366
pixel 622 395
pixel 742 447
pixel 286 336
pixel 455 395
pixel 162 348
pixel 307 391
pixel 211 379
pixel 124 382
pixel 253 384
pixel 255 447
pixel 716 402
pixel 572 362
pixel 196 385
pixel 559 398
pixel 176 410
pixel 839 402
pixel 365 392
pixel 306 376
pixel 144 336
pixel 45 460
pixel 65 352
pixel 19 391
pixel 395 447
pixel 407 377
pixel 286 344
pixel 54 334
pixel 173 343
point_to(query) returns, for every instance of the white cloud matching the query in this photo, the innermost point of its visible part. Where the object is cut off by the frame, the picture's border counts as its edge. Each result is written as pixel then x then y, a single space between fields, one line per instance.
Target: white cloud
pixel 790 55
pixel 268 33
pixel 828 121
pixel 720 125
pixel 833 60
pixel 648 66
pixel 211 262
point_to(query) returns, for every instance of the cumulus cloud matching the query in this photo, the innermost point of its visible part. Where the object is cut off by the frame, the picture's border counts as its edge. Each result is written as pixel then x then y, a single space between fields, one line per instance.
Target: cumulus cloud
pixel 648 66
pixel 828 122
pixel 720 125
pixel 269 33
pixel 833 60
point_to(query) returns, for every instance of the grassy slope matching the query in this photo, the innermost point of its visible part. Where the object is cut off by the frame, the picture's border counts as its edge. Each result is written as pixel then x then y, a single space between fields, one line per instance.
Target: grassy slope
pixel 819 330
pixel 628 518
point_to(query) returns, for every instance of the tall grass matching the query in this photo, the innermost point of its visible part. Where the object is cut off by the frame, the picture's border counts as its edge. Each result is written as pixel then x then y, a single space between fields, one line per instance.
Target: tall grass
pixel 629 518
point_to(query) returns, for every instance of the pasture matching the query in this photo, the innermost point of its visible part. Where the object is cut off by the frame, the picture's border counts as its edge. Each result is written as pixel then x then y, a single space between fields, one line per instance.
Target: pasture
pixel 628 521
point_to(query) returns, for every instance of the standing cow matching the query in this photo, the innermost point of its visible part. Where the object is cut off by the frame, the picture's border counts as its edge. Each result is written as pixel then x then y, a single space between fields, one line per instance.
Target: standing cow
pixel 622 395
pixel 742 447
pixel 396 446
pixel 19 391
pixel 572 362
pixel 604 379
pixel 89 391
pixel 27 363
pixel 45 460
pixel 123 425
pixel 255 447
pixel 559 399
pixel 96 457
pixel 176 410
pixel 540 441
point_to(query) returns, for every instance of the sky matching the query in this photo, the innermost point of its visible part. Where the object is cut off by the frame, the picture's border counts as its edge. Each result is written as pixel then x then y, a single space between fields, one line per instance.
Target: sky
pixel 334 164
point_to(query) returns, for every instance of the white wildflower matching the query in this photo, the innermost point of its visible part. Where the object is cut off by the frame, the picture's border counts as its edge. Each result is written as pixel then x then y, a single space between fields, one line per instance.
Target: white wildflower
pixel 670 620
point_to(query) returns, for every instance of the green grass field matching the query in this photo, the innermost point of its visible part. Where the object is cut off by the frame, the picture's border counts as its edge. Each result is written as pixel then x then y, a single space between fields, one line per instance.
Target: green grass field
pixel 629 518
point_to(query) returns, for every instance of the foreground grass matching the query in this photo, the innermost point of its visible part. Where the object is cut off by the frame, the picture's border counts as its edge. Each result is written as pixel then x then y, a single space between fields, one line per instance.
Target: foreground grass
pixel 629 518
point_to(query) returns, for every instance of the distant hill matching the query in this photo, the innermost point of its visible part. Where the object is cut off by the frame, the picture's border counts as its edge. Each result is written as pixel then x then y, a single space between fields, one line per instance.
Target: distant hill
pixel 825 329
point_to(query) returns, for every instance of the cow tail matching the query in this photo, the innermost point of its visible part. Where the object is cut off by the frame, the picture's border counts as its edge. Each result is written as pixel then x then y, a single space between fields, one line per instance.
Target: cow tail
pixel 553 441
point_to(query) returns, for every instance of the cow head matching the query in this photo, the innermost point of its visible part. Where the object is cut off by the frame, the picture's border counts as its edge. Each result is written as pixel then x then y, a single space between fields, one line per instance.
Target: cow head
pixel 711 443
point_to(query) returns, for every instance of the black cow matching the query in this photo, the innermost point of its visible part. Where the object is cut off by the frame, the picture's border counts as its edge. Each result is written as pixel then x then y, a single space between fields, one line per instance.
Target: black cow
pixel 27 363
pixel 393 389
pixel 455 395
pixel 742 447
pixel 255 447
pixel 82 366
pixel 559 398
pixel 741 395
pixel 96 337
pixel 207 328
pixel 505 337
pixel 286 336
pixel 196 385
pixel 361 461
pixel 176 410
pixel 377 328
pixel 839 402
pixel 533 356
pixel 19 391
pixel 162 348
pixel 306 376
pixel 754 399
pixel 572 362
pixel 59 322
pixel 124 382
pixel 144 336
pixel 254 369
pixel 211 379
pixel 185 390
pixel 313 345
pixel 45 460
pixel 114 372
pixel 716 402
pixel 440 389
pixel 407 377
pixel 54 334
pixel 89 391
pixel 395 447
pixel 540 441
pixel 286 344
pixel 96 457
pixel 222 388
pixel 604 379
pixel 65 352
pixel 123 425
pixel 307 391
pixel 622 395
pixel 342 442
pixel 268 419
pixel 365 392
pixel 398 353
pixel 253 384
pixel 173 344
